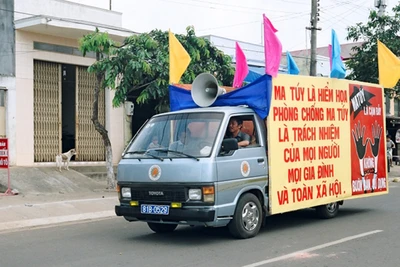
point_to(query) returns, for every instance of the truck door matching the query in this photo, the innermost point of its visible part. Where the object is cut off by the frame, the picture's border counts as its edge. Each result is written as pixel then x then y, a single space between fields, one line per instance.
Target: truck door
pixel 246 166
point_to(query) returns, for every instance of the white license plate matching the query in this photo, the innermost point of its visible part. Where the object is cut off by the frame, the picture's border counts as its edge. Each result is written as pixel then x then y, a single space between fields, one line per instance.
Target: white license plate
pixel 154 209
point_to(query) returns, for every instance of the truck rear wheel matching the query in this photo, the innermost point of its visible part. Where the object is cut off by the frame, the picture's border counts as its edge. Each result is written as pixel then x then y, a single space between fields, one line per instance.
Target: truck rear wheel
pixel 328 211
pixel 161 228
pixel 247 219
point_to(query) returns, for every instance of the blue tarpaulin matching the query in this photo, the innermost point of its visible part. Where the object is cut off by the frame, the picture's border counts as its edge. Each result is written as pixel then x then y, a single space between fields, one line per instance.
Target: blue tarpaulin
pixel 252 76
pixel 256 95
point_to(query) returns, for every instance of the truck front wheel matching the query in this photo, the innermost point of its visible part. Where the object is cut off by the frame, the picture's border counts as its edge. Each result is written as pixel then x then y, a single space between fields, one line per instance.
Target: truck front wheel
pixel 247 219
pixel 162 228
pixel 328 211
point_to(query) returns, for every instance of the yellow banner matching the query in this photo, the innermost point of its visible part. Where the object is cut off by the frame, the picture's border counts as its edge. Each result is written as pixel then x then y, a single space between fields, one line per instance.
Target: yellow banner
pixel 317 152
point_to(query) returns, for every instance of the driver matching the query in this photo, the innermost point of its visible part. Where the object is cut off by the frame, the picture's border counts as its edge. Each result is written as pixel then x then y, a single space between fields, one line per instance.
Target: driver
pixel 178 145
pixel 234 131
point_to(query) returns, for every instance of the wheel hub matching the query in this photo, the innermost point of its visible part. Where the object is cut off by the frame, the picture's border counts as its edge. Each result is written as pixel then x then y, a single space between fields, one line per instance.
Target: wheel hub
pixel 250 216
pixel 331 207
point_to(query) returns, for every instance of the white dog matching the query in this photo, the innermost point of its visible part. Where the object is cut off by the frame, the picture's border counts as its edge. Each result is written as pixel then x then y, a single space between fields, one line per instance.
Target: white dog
pixel 65 157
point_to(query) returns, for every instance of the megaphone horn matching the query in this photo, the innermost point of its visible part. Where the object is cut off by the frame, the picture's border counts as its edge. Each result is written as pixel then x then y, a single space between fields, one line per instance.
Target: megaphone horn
pixel 205 90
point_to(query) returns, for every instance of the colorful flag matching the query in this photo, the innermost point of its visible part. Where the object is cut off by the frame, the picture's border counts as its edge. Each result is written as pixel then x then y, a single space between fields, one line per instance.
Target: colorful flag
pixel 337 70
pixel 388 65
pixel 179 59
pixel 272 48
pixel 330 56
pixel 291 65
pixel 242 69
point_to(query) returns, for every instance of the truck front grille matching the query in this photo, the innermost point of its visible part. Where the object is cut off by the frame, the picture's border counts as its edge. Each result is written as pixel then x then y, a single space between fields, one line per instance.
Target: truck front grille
pixel 157 194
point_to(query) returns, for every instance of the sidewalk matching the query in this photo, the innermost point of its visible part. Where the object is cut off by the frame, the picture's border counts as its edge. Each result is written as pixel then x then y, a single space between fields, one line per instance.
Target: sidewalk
pixel 38 209
pixel 47 196
pixel 26 211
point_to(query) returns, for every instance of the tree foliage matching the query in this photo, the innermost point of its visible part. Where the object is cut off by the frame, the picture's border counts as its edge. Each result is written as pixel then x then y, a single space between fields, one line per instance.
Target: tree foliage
pixel 141 64
pixel 364 61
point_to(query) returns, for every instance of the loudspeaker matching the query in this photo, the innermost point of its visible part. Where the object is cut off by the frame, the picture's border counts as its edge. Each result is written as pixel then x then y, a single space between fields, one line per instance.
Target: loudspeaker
pixel 205 90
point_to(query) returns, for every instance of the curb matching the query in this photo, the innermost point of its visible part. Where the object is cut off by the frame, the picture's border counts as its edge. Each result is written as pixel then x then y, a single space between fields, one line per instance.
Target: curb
pixel 56 220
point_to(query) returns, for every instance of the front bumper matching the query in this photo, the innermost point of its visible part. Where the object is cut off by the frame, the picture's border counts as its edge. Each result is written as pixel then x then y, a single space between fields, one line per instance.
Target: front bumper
pixel 175 215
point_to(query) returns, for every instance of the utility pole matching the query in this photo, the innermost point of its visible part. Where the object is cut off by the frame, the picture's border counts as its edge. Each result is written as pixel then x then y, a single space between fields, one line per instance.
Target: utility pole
pixel 313 27
pixel 110 4
pixel 381 4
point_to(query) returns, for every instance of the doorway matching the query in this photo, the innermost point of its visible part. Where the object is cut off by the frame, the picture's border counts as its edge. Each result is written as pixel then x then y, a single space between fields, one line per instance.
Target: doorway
pixel 141 114
pixel 68 96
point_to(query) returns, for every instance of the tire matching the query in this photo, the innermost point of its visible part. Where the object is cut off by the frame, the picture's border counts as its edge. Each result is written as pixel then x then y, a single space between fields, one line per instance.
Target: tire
pixel 161 228
pixel 328 211
pixel 247 220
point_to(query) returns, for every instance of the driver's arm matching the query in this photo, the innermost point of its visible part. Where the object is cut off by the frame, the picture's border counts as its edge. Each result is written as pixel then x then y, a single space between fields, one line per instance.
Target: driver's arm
pixel 245 140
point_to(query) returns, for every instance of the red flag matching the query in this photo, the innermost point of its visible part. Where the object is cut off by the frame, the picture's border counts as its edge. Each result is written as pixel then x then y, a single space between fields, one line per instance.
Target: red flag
pixel 272 48
pixel 242 69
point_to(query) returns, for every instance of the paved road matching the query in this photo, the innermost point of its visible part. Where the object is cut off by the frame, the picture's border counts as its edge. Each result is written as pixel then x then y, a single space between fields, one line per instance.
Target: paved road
pixel 365 233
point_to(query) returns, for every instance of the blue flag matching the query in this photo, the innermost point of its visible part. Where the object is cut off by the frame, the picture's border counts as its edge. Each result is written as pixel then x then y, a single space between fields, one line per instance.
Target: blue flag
pixel 256 95
pixel 291 65
pixel 338 70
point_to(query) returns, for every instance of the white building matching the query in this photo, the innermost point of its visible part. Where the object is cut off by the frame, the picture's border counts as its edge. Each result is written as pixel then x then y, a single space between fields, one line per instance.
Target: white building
pixel 254 52
pixel 49 101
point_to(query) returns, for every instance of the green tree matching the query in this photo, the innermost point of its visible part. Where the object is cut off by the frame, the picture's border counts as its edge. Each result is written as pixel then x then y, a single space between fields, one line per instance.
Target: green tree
pixel 102 45
pixel 142 65
pixel 364 62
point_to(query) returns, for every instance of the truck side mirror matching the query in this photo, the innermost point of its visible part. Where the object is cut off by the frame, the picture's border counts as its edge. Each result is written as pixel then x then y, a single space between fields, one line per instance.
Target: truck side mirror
pixel 230 144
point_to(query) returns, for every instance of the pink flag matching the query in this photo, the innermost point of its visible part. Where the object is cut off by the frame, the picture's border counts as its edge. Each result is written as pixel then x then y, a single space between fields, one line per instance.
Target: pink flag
pixel 241 67
pixel 272 48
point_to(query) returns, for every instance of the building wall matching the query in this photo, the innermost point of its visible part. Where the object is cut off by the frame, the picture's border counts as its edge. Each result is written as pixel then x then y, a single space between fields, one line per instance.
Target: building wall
pixel 255 56
pixel 7 72
pixel 66 10
pixel 254 52
pixel 24 140
pixel 7 66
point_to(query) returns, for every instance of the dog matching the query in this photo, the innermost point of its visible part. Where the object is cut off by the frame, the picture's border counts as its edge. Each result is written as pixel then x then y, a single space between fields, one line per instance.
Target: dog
pixel 65 157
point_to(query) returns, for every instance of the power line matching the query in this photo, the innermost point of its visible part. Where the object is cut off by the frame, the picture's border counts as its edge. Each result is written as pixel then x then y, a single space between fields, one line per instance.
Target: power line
pixel 226 7
pixel 229 26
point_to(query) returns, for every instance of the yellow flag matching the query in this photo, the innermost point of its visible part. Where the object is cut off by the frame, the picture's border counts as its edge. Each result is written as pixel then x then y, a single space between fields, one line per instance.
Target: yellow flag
pixel 179 59
pixel 389 67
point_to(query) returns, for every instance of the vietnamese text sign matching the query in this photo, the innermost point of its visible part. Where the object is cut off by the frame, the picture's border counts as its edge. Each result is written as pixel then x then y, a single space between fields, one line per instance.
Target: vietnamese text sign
pixel 368 159
pixel 309 142
pixel 3 153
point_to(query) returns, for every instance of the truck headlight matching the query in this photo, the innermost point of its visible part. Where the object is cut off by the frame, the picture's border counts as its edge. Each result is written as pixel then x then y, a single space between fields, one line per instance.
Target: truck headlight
pixel 195 194
pixel 125 192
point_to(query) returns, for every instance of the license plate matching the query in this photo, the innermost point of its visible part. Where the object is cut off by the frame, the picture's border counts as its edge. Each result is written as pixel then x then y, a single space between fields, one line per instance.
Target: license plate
pixel 154 209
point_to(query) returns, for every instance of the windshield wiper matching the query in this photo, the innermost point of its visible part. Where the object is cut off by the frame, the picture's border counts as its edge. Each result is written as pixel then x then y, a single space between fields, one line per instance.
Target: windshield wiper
pixel 144 152
pixel 176 152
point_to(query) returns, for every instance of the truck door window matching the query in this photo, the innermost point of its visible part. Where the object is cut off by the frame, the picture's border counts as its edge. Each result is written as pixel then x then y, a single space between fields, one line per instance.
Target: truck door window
pixel 243 129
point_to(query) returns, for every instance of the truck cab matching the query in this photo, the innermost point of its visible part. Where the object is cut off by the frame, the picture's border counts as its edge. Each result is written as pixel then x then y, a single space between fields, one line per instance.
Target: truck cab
pixel 181 168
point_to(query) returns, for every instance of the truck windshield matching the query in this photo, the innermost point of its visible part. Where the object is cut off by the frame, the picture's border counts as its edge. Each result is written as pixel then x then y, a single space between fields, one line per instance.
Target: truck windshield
pixel 184 135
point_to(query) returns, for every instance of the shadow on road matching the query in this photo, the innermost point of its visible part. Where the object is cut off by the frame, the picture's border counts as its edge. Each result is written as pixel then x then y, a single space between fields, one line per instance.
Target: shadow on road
pixel 185 235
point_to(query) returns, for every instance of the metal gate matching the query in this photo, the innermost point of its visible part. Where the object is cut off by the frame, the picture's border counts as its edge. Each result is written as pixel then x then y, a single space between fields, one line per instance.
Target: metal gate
pixel 46 110
pixel 89 143
pixel 47 117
